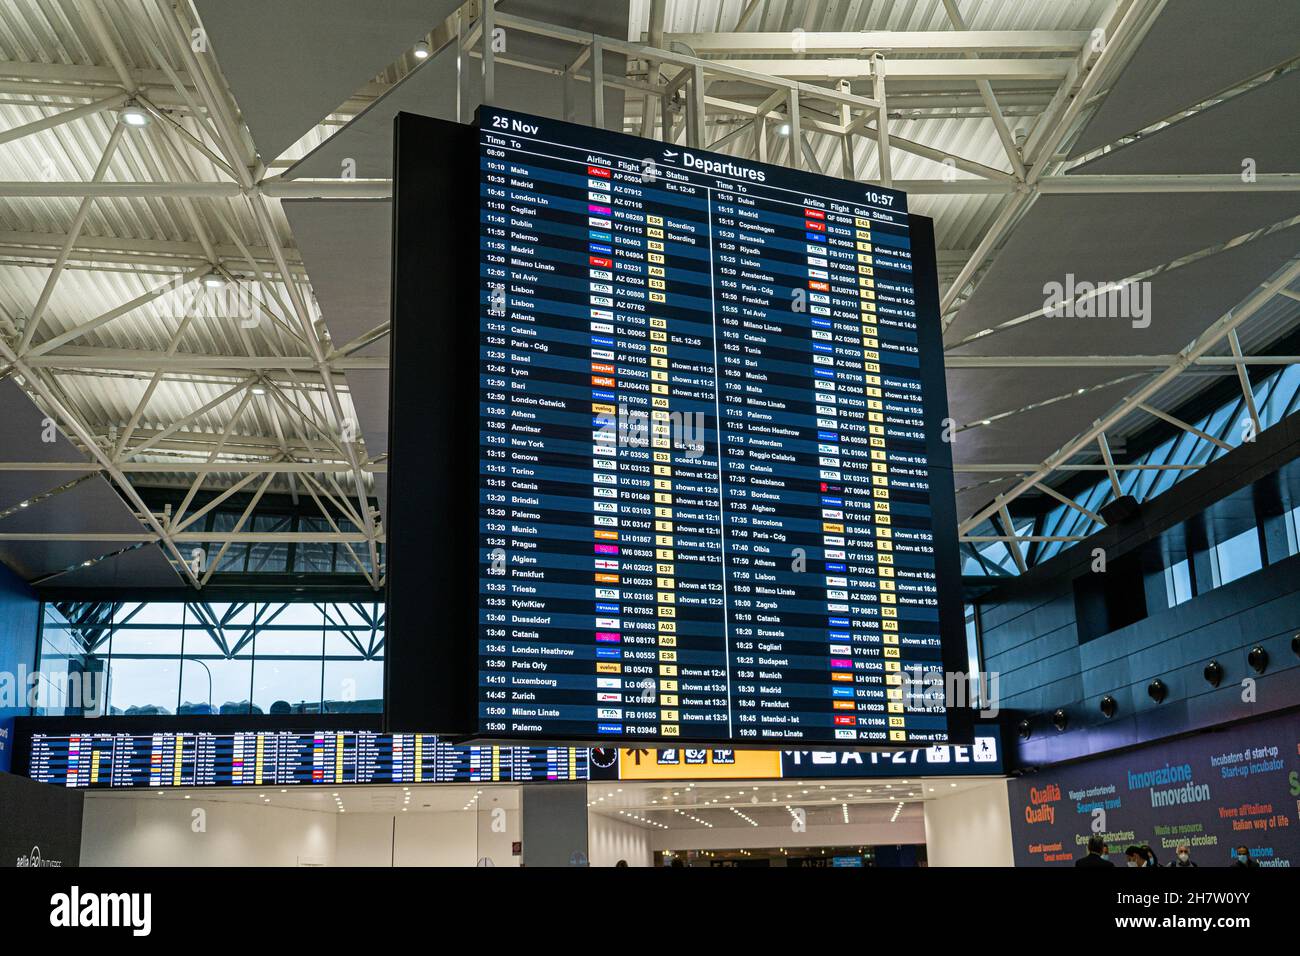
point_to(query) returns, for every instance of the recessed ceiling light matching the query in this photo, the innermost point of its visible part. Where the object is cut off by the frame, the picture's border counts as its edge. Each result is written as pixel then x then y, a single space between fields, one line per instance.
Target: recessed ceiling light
pixel 421 51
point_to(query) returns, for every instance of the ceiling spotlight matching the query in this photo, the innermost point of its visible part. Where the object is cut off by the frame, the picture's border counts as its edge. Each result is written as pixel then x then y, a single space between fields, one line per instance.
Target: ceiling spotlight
pixel 1060 720
pixel 214 280
pixel 1258 659
pixel 1025 730
pixel 258 390
pixel 134 115
pixel 1157 690
pixel 1213 673
pixel 1295 645
pixel 421 51
pixel 1109 705
pixel 783 129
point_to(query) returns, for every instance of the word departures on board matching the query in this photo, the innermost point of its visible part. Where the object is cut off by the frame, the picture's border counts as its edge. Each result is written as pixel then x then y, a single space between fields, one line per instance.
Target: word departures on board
pixel 714 502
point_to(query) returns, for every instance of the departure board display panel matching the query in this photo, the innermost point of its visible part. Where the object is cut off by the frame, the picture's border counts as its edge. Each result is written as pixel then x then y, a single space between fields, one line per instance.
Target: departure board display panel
pixel 257 758
pixel 713 504
pixel 95 758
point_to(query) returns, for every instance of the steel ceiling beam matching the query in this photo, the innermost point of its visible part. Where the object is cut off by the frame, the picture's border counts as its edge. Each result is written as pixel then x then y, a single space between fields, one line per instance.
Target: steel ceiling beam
pixel 852 68
pixel 61 412
pixel 195 537
pixel 1002 183
pixel 143 360
pixel 1124 18
pixel 1131 403
pixel 1227 362
pixel 236 466
pixel 941 42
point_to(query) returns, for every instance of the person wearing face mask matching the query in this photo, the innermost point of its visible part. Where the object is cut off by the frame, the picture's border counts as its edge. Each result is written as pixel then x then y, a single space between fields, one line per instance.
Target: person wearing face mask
pixel 1134 855
pixel 1184 856
pixel 1096 855
pixel 1244 858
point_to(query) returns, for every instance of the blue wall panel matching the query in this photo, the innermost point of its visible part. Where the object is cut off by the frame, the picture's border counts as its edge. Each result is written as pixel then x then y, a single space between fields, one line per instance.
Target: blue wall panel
pixel 1042 672
pixel 19 617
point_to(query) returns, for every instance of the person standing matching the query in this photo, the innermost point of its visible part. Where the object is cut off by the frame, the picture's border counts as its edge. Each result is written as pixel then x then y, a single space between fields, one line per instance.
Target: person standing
pixel 1096 855
pixel 1134 855
pixel 1183 857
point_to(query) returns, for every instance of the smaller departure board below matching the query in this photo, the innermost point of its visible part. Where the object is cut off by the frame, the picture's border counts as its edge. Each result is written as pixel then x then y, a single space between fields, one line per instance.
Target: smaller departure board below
pixel 712 506
pixel 265 758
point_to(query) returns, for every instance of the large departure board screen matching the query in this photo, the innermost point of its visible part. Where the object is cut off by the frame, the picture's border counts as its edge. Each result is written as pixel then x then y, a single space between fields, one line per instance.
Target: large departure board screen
pixel 714 502
pixel 255 758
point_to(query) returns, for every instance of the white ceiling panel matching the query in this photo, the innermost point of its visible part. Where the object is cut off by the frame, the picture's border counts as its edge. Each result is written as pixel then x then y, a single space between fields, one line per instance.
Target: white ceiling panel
pixel 1218 139
pixel 1195 49
pixel 292 62
pixel 1104 238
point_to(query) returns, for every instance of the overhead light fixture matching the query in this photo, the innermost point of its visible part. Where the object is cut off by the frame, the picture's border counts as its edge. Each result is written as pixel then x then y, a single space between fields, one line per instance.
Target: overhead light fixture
pixel 1060 719
pixel 133 114
pixel 1213 673
pixel 1157 690
pixel 1258 659
pixel 783 129
pixel 214 280
pixel 1109 706
pixel 258 390
pixel 421 51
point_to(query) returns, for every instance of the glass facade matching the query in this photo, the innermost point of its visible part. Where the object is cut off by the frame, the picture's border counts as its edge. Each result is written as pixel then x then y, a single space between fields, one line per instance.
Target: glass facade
pixel 294 558
pixel 1227 427
pixel 215 658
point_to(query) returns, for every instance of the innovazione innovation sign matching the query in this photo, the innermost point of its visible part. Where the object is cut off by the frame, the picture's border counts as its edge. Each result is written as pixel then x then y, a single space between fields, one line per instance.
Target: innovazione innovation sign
pixel 1213 793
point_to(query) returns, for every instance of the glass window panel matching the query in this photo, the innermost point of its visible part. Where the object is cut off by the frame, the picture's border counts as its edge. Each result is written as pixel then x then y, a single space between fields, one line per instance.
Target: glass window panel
pixel 235 557
pixel 1222 424
pixel 1291 391
pixel 354 686
pixel 213 684
pixel 287 686
pixel 144 659
pixel 354 613
pixel 337 643
pixel 269 557
pixel 1178 583
pixel 217 666
pixel 972 653
pixel 1238 556
pixel 314 556
pixel 59 655
pixel 171 614
pixel 71 679
pixel 362 551
pixel 287 664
